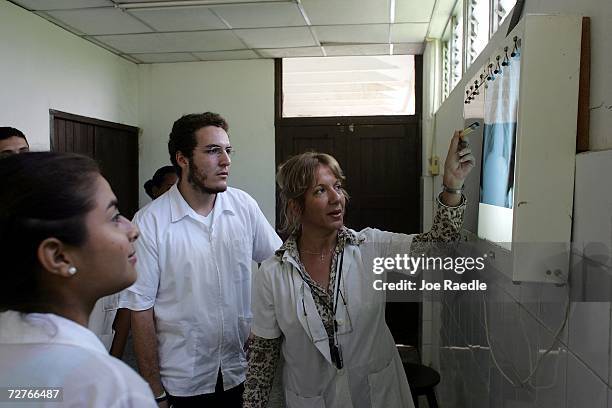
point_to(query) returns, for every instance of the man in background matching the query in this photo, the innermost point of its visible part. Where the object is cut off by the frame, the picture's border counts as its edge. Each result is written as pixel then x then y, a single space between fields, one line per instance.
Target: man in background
pixel 12 141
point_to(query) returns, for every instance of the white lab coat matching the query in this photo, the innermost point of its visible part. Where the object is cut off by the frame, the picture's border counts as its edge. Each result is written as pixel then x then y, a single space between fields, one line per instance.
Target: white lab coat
pixel 373 375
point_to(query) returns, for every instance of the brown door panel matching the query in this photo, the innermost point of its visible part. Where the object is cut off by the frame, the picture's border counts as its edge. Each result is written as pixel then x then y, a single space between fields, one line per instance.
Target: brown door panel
pixel 114 146
pixel 381 163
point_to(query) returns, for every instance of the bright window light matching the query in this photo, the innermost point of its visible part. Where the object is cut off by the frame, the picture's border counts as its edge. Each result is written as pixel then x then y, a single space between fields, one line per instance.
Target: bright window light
pixel 456 49
pixel 502 10
pixel 446 69
pixel 348 86
pixel 478 28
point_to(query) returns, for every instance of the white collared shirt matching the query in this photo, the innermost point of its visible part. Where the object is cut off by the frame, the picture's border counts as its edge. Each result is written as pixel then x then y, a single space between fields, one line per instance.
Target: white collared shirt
pixel 198 279
pixel 102 317
pixel 45 350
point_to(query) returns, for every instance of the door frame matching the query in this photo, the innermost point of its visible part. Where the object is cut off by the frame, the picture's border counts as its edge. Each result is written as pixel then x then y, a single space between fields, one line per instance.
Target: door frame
pixel 83 119
pixel 122 172
pixel 280 121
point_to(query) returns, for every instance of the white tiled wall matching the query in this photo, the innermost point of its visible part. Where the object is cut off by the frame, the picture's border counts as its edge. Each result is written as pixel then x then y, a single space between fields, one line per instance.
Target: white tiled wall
pixel 523 320
pixel 593 206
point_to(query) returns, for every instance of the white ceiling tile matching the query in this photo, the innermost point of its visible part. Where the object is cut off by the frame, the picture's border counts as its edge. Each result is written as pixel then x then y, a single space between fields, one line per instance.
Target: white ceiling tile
pixel 437 26
pixel 209 1
pixel 413 11
pixel 57 22
pixel 408 49
pixel 100 21
pixel 375 33
pixel 201 41
pixel 261 15
pixel 152 58
pixel 366 49
pixel 328 12
pixel 62 4
pixel 291 52
pixel 440 16
pixel 226 55
pixel 181 19
pixel 173 42
pixel 132 43
pixel 276 37
pixel 408 32
pixel 331 64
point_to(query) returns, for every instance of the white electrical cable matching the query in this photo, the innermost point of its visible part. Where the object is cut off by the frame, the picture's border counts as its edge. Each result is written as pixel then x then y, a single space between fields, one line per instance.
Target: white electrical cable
pixel 540 358
pixel 484 303
pixel 554 380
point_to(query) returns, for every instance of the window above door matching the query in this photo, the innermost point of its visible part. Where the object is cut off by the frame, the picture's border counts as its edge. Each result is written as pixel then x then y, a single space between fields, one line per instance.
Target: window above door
pixel 348 86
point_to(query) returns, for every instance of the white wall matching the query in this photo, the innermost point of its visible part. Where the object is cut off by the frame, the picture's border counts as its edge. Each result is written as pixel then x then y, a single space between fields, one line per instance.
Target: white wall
pixel 600 12
pixel 45 67
pixel 241 91
pixel 585 369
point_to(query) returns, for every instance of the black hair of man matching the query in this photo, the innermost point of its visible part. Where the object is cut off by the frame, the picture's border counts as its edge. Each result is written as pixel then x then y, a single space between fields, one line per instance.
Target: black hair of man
pixel 8 132
pixel 182 137
pixel 158 179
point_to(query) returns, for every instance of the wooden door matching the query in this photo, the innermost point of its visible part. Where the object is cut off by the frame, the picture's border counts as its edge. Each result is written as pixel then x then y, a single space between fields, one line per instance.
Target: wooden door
pixel 114 146
pixel 381 158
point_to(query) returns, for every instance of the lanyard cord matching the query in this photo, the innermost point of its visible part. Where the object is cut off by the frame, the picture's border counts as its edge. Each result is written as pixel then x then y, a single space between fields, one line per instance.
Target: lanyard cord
pixel 338 283
pixel 335 348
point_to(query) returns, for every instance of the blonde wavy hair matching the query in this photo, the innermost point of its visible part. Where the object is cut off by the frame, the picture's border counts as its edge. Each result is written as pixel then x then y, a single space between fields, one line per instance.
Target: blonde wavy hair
pixel 294 177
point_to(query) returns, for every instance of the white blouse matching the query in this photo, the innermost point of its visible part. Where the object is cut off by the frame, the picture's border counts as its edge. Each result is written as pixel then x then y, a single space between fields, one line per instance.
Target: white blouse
pixel 48 351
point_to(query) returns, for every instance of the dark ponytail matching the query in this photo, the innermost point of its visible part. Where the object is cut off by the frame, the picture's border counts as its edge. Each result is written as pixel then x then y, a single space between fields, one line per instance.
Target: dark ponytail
pixel 43 195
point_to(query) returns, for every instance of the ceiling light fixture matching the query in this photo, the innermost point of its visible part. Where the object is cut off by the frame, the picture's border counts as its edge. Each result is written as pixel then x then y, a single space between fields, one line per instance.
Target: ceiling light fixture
pixel 392 11
pixel 191 3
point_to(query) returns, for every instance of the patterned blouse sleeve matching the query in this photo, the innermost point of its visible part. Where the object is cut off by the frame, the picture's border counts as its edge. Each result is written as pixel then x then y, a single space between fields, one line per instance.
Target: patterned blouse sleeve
pixel 446 226
pixel 263 359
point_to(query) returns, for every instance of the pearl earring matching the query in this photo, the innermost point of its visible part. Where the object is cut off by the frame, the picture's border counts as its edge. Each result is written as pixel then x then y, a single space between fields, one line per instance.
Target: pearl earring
pixel 72 270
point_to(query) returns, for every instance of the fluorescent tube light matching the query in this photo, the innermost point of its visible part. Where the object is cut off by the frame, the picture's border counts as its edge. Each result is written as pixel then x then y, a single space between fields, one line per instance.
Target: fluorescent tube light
pixel 191 3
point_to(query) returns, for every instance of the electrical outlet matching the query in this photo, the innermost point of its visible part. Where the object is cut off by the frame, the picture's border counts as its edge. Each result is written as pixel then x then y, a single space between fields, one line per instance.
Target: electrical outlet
pixel 434 165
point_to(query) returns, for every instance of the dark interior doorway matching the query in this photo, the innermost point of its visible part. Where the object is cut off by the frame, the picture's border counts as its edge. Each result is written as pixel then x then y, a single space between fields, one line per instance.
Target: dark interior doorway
pixel 381 158
pixel 113 145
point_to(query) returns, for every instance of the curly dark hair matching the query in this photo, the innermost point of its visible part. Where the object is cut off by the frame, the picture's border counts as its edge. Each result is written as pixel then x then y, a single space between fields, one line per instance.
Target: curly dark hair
pixel 182 137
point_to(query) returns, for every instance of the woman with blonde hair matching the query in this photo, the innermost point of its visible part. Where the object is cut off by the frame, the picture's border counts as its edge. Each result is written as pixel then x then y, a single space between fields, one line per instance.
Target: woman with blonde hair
pixel 313 301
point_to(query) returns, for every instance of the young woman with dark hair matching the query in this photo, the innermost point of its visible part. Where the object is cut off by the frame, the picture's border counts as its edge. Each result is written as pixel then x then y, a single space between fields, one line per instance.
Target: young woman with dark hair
pixel 64 245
